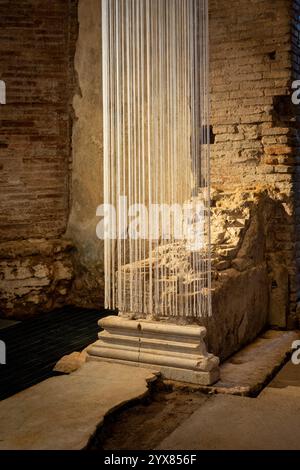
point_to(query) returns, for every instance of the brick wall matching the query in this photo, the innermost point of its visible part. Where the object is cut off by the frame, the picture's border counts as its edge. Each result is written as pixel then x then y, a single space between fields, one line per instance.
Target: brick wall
pixel 250 84
pixel 37 43
pixel 37 47
pixel 252 116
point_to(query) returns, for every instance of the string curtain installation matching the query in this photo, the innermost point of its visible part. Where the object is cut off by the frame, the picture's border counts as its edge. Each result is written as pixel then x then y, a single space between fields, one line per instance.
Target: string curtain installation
pixel 156 157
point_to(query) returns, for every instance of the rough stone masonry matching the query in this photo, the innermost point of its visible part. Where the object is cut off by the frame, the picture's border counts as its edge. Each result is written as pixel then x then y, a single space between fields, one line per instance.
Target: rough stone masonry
pixel 51 147
pixel 254 59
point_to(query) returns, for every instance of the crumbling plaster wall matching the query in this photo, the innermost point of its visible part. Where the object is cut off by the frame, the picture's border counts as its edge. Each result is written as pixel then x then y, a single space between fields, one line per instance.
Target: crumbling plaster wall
pixel 87 173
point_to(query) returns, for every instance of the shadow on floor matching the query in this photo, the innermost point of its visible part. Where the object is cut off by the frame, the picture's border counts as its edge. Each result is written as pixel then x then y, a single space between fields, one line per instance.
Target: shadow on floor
pixel 34 346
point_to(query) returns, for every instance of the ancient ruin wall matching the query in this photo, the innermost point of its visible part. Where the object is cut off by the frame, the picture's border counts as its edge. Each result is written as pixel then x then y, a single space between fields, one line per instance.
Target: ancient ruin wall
pixel 250 84
pixel 37 44
pixel 252 116
pixel 254 143
pixel 37 63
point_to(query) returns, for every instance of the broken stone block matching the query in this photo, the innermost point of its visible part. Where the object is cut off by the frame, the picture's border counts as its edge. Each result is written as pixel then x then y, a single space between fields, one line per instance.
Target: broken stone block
pixel 71 362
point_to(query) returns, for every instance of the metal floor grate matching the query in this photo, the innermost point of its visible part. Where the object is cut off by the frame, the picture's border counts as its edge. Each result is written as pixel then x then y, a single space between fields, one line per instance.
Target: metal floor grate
pixel 34 346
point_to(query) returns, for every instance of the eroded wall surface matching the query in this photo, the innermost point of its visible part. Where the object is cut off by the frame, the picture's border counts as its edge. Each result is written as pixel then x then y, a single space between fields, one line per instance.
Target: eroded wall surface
pixel 87 167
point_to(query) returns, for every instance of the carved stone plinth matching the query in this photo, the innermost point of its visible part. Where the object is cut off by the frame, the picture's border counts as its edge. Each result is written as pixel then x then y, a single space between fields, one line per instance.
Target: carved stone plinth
pixel 177 351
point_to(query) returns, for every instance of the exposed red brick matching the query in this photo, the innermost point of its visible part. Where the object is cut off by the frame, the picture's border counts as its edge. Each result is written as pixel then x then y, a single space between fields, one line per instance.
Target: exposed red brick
pixel 38 40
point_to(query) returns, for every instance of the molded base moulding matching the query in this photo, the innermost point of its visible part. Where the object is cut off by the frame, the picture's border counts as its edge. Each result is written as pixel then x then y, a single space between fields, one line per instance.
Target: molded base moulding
pixel 178 352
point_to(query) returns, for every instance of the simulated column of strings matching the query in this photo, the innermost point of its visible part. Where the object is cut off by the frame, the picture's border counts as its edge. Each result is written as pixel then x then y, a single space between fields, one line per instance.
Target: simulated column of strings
pixel 155 113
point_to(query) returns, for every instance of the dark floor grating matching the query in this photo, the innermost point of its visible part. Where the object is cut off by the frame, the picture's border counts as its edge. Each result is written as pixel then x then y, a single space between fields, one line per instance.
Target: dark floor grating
pixel 34 346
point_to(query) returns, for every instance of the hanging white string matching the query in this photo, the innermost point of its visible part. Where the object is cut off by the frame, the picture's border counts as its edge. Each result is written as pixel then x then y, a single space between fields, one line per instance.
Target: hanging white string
pixel 155 115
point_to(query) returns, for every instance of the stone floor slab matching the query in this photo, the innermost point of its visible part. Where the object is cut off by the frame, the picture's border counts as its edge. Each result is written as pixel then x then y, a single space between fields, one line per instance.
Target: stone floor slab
pixel 63 412
pixel 289 376
pixel 250 369
pixel 227 422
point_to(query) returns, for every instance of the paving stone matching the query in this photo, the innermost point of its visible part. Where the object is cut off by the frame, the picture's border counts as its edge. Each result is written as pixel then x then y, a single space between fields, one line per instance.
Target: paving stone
pixel 62 413
pixel 269 422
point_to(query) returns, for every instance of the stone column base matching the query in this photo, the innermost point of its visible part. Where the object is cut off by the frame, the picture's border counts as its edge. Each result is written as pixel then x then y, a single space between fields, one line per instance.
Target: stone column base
pixel 177 351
